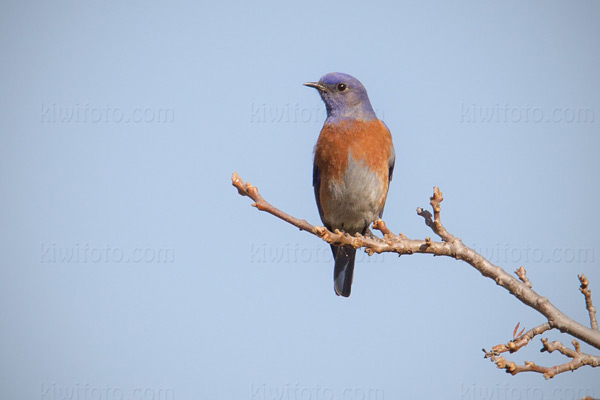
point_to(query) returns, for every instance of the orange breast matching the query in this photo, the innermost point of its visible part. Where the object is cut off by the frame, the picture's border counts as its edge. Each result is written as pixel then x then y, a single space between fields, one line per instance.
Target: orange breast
pixel 368 141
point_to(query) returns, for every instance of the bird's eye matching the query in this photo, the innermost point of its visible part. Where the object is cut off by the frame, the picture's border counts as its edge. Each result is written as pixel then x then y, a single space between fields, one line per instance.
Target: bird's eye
pixel 341 87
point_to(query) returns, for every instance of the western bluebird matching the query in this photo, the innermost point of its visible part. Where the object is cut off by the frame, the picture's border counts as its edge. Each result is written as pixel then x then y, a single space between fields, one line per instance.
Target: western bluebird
pixel 354 161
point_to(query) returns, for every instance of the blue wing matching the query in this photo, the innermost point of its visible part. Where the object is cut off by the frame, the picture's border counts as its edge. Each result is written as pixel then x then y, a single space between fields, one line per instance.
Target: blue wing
pixel 317 187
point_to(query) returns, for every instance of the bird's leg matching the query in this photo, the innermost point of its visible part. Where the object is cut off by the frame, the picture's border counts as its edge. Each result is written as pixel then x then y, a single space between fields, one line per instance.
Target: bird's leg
pixel 368 233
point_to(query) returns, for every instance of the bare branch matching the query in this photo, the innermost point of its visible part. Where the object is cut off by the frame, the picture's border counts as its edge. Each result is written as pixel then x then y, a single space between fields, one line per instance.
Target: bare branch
pixel 452 246
pixel 578 360
pixel 251 191
pixel 584 288
pixel 519 342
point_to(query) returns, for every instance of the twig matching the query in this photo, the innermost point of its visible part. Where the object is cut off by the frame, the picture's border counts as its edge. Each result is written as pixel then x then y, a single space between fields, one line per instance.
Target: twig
pixel 519 342
pixel 251 191
pixel 579 360
pixel 584 288
pixel 522 274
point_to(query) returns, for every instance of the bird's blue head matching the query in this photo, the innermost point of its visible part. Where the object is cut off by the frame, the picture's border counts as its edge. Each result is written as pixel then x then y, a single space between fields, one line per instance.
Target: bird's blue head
pixel 344 96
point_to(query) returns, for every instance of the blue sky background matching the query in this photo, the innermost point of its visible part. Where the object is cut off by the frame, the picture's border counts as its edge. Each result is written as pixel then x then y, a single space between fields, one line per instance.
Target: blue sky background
pixel 130 268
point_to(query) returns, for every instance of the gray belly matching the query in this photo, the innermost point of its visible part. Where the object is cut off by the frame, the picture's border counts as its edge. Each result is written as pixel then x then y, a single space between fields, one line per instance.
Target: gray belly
pixel 356 199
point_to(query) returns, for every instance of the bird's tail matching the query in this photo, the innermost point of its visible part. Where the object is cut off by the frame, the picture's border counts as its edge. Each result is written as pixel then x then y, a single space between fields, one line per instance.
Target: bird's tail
pixel 344 269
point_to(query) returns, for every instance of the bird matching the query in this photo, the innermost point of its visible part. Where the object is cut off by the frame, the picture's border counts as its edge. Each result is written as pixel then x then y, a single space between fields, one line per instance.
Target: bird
pixel 354 160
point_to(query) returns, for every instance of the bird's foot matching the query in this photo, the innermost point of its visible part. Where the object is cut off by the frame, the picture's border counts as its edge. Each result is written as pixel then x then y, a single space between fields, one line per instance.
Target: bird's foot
pixel 369 234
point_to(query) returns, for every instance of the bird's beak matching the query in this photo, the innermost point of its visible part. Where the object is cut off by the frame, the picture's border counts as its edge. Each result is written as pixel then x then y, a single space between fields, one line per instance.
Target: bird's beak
pixel 316 85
